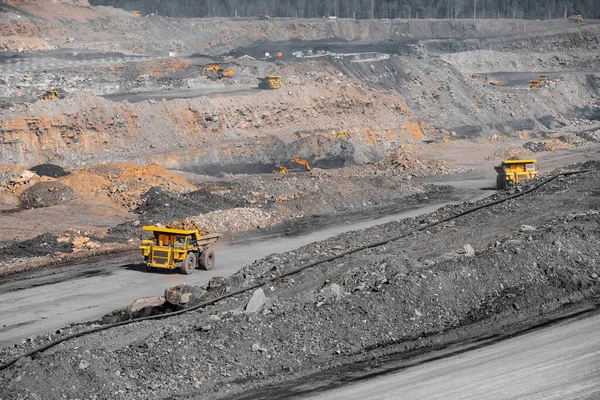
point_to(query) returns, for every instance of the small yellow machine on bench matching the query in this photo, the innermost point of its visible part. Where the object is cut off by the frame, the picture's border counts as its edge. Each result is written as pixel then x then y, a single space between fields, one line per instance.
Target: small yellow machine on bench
pixel 511 172
pixel 178 248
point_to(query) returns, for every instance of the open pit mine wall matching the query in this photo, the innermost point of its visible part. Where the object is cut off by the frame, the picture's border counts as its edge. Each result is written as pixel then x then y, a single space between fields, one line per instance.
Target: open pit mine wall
pixel 382 102
pixel 445 99
pixel 69 23
pixel 191 132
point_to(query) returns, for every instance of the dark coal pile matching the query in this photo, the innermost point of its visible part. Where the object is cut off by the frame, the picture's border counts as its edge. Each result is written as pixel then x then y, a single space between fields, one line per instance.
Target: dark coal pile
pixel 536 147
pixel 46 194
pixel 51 170
pixel 163 206
pixel 590 136
pixel 38 246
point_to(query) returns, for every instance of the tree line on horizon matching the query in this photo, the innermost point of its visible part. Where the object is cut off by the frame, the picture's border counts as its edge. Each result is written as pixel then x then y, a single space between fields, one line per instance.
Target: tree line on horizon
pixel 364 9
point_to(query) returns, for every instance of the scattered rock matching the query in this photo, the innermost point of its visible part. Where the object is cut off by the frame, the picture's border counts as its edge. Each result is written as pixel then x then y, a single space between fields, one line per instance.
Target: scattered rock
pixel 257 347
pixel 469 251
pixel 256 302
pixel 184 295
pixel 526 228
pixel 154 301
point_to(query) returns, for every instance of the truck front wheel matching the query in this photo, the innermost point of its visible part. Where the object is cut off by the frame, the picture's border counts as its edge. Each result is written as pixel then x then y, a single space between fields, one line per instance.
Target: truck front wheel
pixel 189 264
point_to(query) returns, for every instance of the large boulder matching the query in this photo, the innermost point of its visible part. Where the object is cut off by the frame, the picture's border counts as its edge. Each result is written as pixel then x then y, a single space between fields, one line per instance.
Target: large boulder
pixel 256 302
pixel 184 295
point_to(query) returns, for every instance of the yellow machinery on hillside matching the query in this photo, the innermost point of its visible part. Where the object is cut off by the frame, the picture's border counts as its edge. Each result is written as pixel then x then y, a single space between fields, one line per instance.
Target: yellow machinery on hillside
pixel 511 172
pixel 136 13
pixel 214 71
pixel 280 170
pixel 228 73
pixel 494 82
pixel 270 82
pixel 579 18
pixel 343 134
pixel 51 94
pixel 536 83
pixel 265 17
pixel 302 162
pixel 211 67
pixel 178 248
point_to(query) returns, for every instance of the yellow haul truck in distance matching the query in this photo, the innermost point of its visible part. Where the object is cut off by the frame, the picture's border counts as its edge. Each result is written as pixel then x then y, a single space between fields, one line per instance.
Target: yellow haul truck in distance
pixel 270 82
pixel 511 172
pixel 178 248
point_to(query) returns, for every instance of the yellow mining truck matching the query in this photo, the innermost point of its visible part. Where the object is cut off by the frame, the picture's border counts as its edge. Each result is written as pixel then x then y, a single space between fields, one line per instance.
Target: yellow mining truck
pixel 51 94
pixel 178 248
pixel 270 82
pixel 511 172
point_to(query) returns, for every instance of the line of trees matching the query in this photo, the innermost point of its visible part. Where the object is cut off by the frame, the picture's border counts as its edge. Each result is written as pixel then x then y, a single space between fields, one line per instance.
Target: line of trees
pixel 364 9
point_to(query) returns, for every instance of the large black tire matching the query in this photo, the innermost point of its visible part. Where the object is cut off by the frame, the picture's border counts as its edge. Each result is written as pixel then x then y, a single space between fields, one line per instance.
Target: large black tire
pixel 189 264
pixel 500 182
pixel 148 267
pixel 207 260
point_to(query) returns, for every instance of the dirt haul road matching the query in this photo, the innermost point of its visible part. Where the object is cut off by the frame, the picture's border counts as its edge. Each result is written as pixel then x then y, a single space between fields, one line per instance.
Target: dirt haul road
pixel 432 289
pixel 560 362
pixel 43 301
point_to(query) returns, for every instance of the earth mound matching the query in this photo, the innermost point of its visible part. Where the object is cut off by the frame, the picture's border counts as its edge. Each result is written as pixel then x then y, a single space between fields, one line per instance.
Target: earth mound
pixel 51 170
pixel 46 194
pixel 160 205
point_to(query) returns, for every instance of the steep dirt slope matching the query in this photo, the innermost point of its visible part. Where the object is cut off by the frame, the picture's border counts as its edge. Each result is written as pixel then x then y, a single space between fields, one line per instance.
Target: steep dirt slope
pixel 259 127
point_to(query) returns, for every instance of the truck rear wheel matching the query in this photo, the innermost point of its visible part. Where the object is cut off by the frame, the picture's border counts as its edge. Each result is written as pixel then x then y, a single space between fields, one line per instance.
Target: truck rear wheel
pixel 189 264
pixel 207 260
pixel 500 182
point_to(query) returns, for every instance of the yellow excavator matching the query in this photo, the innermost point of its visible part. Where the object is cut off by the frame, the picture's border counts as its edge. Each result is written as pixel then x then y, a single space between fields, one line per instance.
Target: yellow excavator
pixel 280 170
pixel 214 71
pixel 302 162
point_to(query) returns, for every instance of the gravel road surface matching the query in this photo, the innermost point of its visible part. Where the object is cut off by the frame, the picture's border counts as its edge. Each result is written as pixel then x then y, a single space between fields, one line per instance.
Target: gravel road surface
pixel 558 362
pixel 42 301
